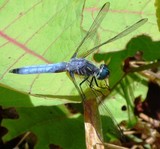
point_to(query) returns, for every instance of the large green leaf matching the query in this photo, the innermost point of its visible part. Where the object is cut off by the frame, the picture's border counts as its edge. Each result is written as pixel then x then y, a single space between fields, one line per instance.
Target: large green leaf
pixel 35 33
pixel 50 125
pixel 38 32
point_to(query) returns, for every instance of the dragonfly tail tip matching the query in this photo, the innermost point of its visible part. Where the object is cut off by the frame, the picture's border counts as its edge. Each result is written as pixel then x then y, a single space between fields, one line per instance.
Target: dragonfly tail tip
pixel 14 71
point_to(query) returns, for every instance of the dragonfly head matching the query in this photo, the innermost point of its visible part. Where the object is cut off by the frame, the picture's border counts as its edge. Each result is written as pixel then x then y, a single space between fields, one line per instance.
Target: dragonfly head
pixel 103 72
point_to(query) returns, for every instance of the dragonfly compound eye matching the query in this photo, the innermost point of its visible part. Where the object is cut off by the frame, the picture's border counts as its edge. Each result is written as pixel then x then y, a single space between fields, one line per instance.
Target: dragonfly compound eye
pixel 103 72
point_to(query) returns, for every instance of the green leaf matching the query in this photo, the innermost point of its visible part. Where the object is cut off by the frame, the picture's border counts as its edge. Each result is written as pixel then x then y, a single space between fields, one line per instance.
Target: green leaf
pixel 39 32
pixel 53 37
pixel 50 125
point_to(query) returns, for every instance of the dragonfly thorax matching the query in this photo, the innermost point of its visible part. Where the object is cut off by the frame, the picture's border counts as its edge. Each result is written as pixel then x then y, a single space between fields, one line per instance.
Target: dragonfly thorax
pixel 103 72
pixel 84 67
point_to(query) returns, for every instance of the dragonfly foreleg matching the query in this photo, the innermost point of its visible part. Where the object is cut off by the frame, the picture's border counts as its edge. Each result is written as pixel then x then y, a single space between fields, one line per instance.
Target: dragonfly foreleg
pixel 95 80
pixel 91 85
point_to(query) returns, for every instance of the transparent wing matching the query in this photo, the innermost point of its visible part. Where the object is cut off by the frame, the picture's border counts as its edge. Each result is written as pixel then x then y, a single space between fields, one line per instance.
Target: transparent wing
pixel 92 31
pixel 97 94
pixel 120 35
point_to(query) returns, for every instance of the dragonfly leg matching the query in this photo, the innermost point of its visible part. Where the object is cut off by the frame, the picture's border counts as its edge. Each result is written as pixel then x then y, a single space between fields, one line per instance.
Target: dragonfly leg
pixel 75 84
pixel 80 85
pixel 91 85
pixel 95 80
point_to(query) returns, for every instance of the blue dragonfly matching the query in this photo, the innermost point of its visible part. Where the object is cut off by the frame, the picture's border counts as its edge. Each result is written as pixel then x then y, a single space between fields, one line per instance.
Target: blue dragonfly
pixel 78 64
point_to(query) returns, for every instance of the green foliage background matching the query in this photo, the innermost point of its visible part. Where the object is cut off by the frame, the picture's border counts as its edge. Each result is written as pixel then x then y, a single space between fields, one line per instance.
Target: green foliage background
pixel 38 32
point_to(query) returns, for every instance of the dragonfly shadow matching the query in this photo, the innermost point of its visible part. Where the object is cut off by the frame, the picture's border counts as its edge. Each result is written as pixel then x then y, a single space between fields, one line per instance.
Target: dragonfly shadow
pixel 71 98
pixel 89 93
